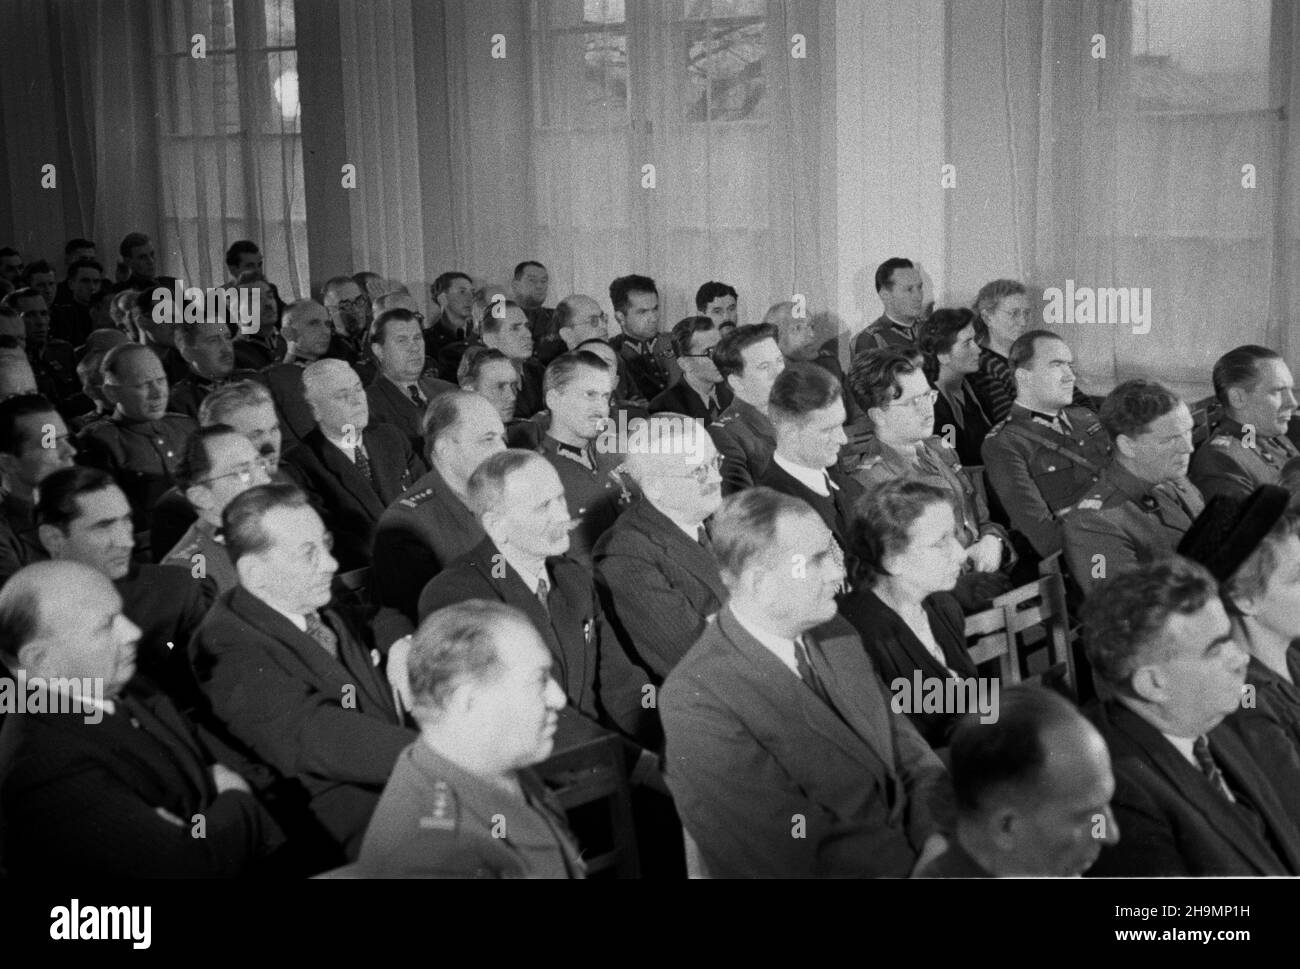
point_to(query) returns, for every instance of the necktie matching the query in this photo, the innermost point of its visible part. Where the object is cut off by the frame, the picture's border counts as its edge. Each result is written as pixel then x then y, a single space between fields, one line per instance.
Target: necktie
pixel 1066 426
pixel 363 462
pixel 414 391
pixel 702 536
pixel 807 674
pixel 543 594
pixel 322 633
pixel 1201 751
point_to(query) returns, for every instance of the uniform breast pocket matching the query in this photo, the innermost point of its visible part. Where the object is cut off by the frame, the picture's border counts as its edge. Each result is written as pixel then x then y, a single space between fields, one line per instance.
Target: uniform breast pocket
pixel 1059 480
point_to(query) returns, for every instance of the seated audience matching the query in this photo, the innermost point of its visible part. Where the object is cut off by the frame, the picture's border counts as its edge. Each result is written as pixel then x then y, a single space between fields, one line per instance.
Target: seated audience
pixel 349 309
pixel 656 564
pixel 90 407
pixel 1041 460
pixel 53 361
pixel 699 392
pixel 71 318
pixel 529 287
pixel 947 339
pixel 291 681
pixel 141 262
pixel 446 339
pixel 1002 314
pixel 490 374
pixel 899 286
pixel 11 265
pixel 114 786
pixel 782 754
pixel 904 542
pixel 462 801
pixel 1247 446
pixel 1142 504
pixel 266 345
pixel 242 256
pixel 307 338
pixel 1033 791
pixel 1190 798
pixel 33 444
pixel 209 353
pixel 718 301
pixel 401 390
pixel 749 361
pixel 505 328
pixel 636 309
pixel 39 275
pixel 350 469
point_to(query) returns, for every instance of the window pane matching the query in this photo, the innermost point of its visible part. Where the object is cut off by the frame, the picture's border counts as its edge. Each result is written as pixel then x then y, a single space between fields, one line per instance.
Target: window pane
pixel 583 78
pixel 724 68
pixel 717 9
pixel 603 12
pixel 281 30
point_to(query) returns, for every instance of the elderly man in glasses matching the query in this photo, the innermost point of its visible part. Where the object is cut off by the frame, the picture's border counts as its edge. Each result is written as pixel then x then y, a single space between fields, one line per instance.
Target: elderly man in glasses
pixel 700 391
pixel 220 464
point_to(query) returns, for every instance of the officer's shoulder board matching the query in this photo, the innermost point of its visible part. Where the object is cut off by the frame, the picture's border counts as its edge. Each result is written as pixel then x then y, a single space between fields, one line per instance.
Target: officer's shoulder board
pixel 417 499
pixel 443 809
pixel 1222 440
pixel 993 431
pixel 1091 503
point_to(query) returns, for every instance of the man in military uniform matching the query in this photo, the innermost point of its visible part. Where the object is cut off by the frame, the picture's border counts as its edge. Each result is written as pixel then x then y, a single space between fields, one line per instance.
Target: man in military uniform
pixel 898 284
pixel 1248 446
pixel 209 353
pixel 27 423
pixel 1142 504
pixel 420 534
pixel 462 801
pixel 636 307
pixel 219 465
pixel 577 395
pixel 53 361
pixel 1041 460
pixel 445 341
pixel 749 360
pixel 141 444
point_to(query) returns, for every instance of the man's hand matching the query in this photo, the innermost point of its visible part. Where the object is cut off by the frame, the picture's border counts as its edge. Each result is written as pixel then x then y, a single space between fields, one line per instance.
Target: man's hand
pixel 986 554
pixel 396 670
pixel 227 780
pixel 934 846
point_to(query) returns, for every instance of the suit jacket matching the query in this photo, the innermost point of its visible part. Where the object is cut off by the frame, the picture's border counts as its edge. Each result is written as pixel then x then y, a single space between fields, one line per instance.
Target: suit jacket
pixel 437 820
pixel 1172 821
pixel 1268 723
pixel 746 440
pixel 897 652
pixel 19 545
pixel 955 862
pixel 968 433
pixel 661 584
pixel 417 537
pixel 329 725
pixel 597 676
pixel 836 511
pixel 681 398
pixel 168 604
pixel 390 404
pixel 753 754
pixel 349 503
pixel 80 798
pixel 284 380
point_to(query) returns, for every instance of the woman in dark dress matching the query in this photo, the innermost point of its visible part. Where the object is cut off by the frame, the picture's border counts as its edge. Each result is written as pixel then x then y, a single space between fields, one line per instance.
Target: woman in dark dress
pixel 952 356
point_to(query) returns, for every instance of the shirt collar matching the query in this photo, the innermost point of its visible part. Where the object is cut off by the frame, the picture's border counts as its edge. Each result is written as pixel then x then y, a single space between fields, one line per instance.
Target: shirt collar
pixel 782 649
pixel 529 573
pixel 815 480
pixel 1184 746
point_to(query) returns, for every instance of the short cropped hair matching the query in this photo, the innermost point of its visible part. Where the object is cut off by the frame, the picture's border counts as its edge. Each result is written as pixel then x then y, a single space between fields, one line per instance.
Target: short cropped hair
pixel 745 526
pixel 379 329
pixel 443 414
pixel 196 462
pixel 58 494
pixel 938 334
pixel 492 323
pixel 882 518
pixel 1020 355
pixel 116 357
pixel 444 281
pixel 239 248
pixel 20 294
pixel 727 354
pixel 710 291
pixel 130 241
pixel 473 361
pixel 455 644
pixel 84 263
pixel 1239 367
pixel 1124 618
pixel 1009 752
pixel 241 522
pixel 72 245
pixel 885 271
pixel 487 485
pixel 684 331
pixel 37 268
pixel 224 401
pixel 874 378
pixel 801 389
pixel 1131 407
pixel 12 410
pixel 561 371
pixel 524 266
pixel 337 282
pixel 623 287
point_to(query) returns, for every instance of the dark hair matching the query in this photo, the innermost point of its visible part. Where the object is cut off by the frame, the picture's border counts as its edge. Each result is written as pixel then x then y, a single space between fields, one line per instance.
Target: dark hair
pixel 113 358
pixel 938 334
pixel 84 263
pixel 885 271
pixel 623 287
pixel 443 414
pixel 241 522
pixel 196 462
pixel 519 270
pixel 25 292
pixel 710 291
pixel 238 249
pixel 72 245
pixel 12 410
pixel 38 267
pixel 1020 355
pixel 1239 367
pixel 1131 407
pixel 561 370
pixel 132 240
pixel 338 282
pixel 744 528
pixel 874 378
pixel 1125 615
pixel 379 329
pixel 454 644
pixel 685 330
pixel 443 282
pixel 8 251
pixel 882 518
pixel 473 362
pixel 492 323
pixel 727 354
pixel 801 389
pixel 59 491
pixel 1009 752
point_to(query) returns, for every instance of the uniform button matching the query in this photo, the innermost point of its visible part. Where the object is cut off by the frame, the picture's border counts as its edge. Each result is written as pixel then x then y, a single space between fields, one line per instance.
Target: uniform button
pixel 1051 467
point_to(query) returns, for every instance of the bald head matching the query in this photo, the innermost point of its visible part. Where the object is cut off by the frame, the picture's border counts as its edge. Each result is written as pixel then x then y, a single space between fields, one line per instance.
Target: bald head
pixel 579 318
pixel 16 375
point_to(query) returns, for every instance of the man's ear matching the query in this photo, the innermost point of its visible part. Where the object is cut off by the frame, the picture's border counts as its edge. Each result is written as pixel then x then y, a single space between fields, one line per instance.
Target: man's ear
pixel 376 351
pixel 52 539
pixel 551 397
pixel 492 524
pixel 1124 444
pixel 199 497
pixel 33 656
pixel 568 340
pixel 874 414
pixel 1149 684
pixel 8 465
pixel 250 571
pixel 1236 398
pixel 110 393
pixel 1003 827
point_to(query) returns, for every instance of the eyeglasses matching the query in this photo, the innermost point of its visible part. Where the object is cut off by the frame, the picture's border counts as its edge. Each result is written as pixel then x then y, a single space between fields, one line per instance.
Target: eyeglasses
pixel 245 473
pixel 930 396
pixel 312 553
pixel 701 471
pixel 355 303
pixel 707 353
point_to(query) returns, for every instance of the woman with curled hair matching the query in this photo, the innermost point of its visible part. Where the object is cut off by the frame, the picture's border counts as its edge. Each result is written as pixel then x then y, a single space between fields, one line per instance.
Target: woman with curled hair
pixel 1002 313
pixel 907 560
pixel 952 356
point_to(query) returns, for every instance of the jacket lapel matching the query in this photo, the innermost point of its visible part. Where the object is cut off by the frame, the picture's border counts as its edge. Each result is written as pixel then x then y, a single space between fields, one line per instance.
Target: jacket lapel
pixel 337 463
pixel 661 530
pixel 871 724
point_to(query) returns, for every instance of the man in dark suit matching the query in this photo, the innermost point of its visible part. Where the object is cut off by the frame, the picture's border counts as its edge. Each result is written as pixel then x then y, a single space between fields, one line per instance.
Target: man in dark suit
pixel 782 755
pixel 655 564
pixel 505 329
pixel 699 392
pixel 306 329
pixel 749 361
pixel 420 535
pixel 401 390
pixel 33 444
pixel 1190 798
pixel 291 682
pixel 807 411
pixel 109 781
pixel 462 801
pixel 350 470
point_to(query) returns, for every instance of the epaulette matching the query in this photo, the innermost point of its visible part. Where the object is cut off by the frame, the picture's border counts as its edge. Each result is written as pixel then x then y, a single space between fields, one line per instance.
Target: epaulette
pixel 993 431
pixel 1091 504
pixel 1223 440
pixel 443 811
pixel 724 419
pixel 417 499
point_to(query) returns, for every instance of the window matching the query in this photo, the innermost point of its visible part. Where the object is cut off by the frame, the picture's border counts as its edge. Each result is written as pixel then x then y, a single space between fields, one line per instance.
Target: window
pixel 724 47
